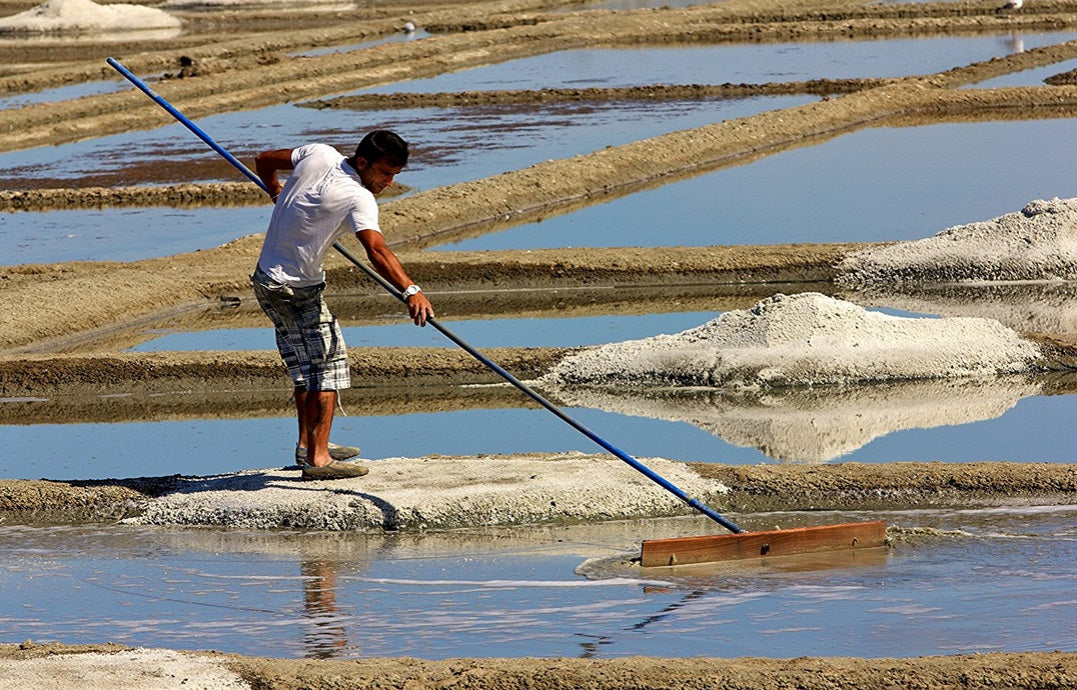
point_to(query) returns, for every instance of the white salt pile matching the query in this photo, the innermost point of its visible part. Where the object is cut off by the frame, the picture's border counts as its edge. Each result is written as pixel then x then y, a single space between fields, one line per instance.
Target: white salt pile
pixel 1037 243
pixel 434 492
pixel 291 4
pixel 134 669
pixel 802 340
pixel 84 15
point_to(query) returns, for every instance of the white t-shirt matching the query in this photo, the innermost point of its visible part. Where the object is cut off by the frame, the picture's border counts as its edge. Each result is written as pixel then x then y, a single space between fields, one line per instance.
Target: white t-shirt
pixel 323 199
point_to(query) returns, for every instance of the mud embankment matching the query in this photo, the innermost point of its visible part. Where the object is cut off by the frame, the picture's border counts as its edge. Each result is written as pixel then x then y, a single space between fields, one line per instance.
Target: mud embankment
pixel 1014 671
pixel 742 489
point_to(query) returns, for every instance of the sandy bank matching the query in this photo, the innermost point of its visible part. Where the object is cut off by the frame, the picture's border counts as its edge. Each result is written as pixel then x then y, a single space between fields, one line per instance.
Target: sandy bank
pixel 55 667
pixel 441 492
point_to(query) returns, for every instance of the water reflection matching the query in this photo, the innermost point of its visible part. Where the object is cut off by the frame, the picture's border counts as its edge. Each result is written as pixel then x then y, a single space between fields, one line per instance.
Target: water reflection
pixel 326 635
pixel 1047 307
pixel 514 592
pixel 402 37
pixel 814 424
pixel 878 184
pixel 1014 43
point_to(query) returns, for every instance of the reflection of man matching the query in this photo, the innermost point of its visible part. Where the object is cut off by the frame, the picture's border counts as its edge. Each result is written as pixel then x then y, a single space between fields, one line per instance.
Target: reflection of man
pixel 320 602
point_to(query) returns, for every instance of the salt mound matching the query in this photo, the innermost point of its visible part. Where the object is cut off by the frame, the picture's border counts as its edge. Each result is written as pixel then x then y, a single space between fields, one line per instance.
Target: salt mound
pixel 125 669
pixel 292 4
pixel 85 15
pixel 435 492
pixel 1037 243
pixel 804 340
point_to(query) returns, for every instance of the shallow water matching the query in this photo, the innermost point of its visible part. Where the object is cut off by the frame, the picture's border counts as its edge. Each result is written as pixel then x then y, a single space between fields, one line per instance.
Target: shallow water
pixel 401 37
pixel 924 421
pixel 1000 165
pixel 951 421
pixel 246 132
pixel 454 147
pixel 1028 77
pixel 482 333
pixel 61 93
pixel 734 63
pixel 872 185
pixel 1001 586
pixel 449 145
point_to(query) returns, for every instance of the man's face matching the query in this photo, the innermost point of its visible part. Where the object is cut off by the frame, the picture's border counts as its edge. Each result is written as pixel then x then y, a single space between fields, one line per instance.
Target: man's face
pixel 378 175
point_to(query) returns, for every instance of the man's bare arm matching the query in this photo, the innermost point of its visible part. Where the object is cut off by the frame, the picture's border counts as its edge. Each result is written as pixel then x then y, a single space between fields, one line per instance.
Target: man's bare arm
pixel 388 266
pixel 268 163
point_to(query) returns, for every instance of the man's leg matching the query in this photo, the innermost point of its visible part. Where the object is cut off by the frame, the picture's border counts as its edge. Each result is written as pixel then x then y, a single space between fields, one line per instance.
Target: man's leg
pixel 313 350
pixel 300 397
pixel 317 416
pixel 315 411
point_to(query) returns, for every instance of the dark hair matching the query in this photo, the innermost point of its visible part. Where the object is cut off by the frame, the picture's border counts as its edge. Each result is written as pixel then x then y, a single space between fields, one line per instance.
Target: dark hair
pixel 381 144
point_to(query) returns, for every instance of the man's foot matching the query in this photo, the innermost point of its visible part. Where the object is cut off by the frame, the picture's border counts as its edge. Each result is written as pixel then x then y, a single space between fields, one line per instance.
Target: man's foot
pixel 336 452
pixel 335 470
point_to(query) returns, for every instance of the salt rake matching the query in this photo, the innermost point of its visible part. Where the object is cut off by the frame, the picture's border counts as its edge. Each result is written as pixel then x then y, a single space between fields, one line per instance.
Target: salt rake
pixel 741 544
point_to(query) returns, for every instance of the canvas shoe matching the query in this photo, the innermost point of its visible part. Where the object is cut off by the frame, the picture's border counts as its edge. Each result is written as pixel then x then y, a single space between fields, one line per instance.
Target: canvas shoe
pixel 335 470
pixel 335 451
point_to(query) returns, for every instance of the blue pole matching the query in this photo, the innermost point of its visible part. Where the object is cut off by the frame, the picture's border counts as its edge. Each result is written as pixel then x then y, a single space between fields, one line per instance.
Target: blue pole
pixel 497 369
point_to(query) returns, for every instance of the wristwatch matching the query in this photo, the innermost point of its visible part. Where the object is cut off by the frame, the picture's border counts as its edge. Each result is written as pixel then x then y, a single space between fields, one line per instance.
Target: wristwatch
pixel 411 290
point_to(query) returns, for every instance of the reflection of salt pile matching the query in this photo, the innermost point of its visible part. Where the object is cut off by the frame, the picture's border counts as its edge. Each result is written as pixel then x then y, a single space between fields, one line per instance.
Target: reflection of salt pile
pixel 804 339
pixel 814 424
pixel 1037 243
pixel 84 15
pixel 1043 307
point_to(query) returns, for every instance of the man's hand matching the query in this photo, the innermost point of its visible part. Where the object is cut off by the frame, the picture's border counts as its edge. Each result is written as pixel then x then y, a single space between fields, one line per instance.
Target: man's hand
pixel 420 309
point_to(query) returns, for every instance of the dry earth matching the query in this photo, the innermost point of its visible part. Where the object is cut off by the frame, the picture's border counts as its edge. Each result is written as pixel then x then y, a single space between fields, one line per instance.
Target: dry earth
pixel 162 669
pixel 237 59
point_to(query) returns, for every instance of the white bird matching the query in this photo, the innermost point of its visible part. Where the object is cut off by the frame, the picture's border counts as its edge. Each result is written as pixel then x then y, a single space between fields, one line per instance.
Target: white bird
pixel 409 28
pixel 1011 5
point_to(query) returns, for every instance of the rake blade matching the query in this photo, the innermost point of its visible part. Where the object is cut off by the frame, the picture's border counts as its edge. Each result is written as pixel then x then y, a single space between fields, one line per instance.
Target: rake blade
pixel 783 542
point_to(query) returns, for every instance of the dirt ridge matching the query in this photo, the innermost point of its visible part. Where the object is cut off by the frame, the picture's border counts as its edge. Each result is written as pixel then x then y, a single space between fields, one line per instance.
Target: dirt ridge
pixel 1012 670
pixel 759 488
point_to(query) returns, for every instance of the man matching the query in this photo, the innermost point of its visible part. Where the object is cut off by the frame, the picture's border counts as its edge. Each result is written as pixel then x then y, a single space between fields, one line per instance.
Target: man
pixel 325 197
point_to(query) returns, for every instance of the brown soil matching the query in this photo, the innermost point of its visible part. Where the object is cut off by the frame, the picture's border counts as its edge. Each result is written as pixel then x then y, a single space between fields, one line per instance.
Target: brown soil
pixel 658 92
pixel 755 488
pixel 967 672
pixel 64 324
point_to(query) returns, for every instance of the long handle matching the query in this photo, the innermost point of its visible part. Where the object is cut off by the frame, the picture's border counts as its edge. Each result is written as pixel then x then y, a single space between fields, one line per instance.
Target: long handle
pixel 636 464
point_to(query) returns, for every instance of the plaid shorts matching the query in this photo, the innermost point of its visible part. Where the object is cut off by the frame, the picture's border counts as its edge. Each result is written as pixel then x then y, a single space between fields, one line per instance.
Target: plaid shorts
pixel 308 336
